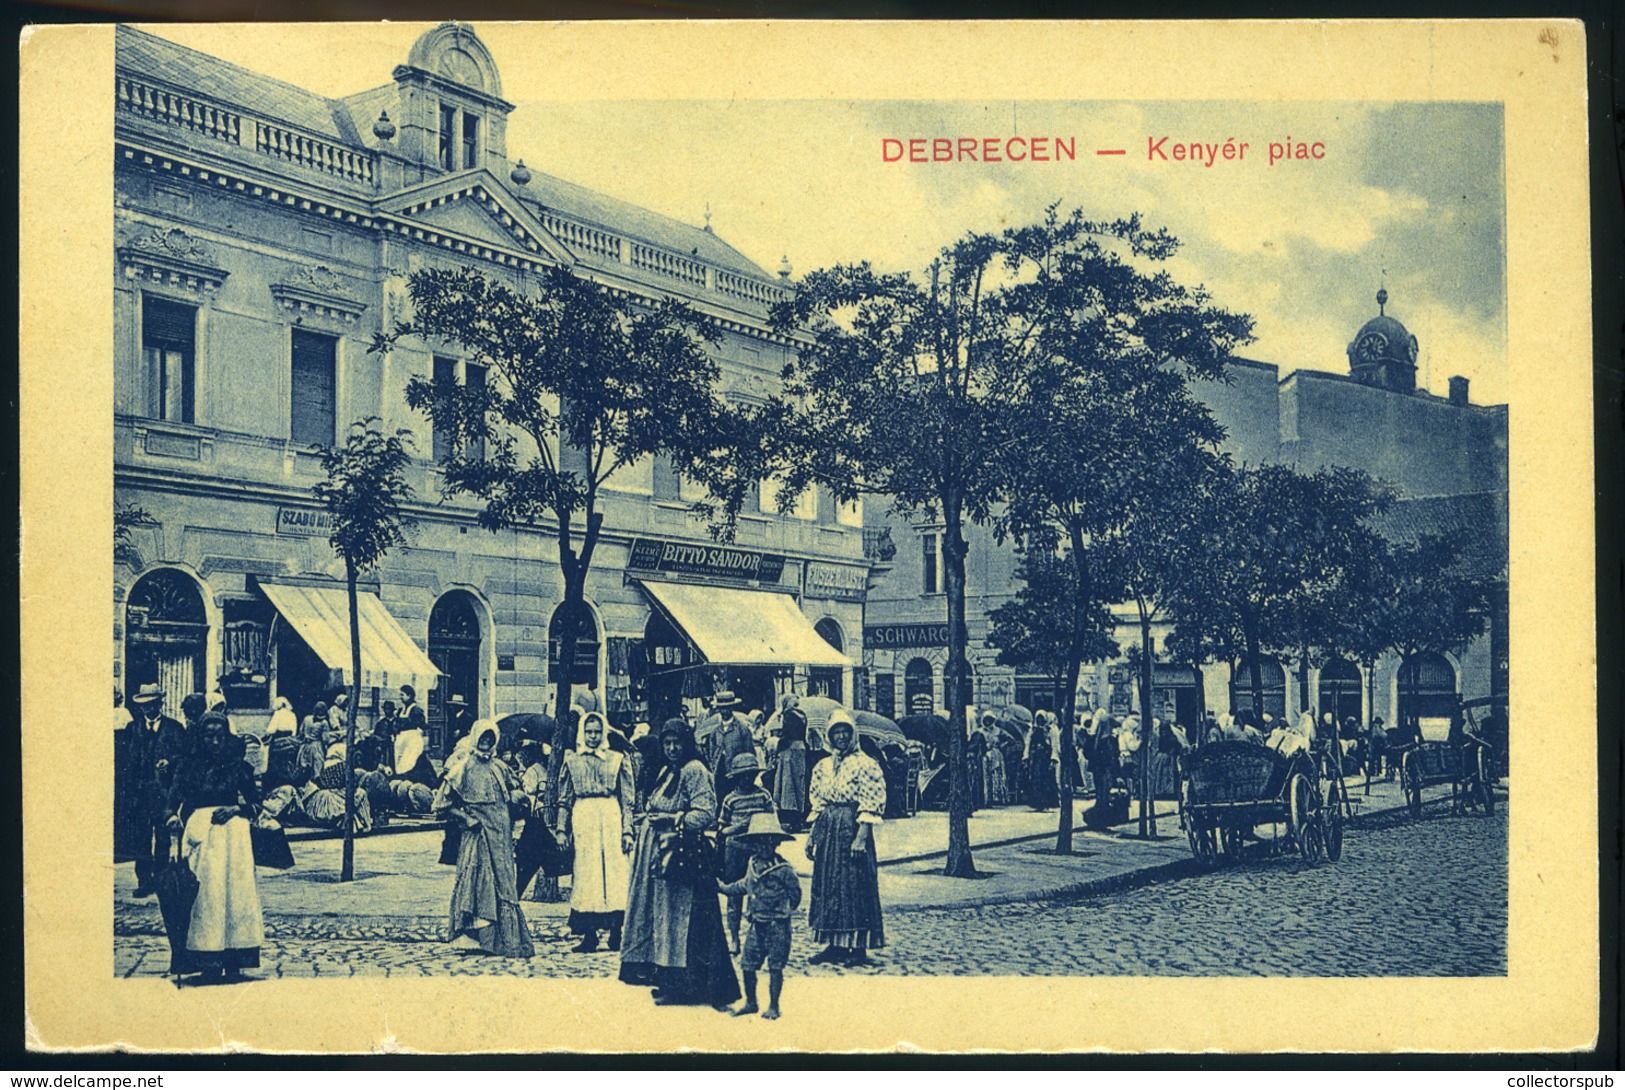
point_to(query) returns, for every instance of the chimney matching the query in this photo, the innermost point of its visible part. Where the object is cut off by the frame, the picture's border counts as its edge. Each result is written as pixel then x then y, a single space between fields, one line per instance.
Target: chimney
pixel 1458 390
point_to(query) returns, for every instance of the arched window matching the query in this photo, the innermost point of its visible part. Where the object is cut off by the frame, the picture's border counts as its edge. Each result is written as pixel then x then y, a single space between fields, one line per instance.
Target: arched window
pixel 584 672
pixel 455 649
pixel 1274 679
pixel 826 680
pixel 1339 689
pixel 1427 692
pixel 166 636
pixel 919 690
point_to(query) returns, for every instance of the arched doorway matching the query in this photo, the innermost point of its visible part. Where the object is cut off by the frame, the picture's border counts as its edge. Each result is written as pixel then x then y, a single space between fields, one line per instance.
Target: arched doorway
pixel 919 691
pixel 166 636
pixel 826 680
pixel 1427 694
pixel 455 650
pixel 584 672
pixel 1339 689
pixel 1274 679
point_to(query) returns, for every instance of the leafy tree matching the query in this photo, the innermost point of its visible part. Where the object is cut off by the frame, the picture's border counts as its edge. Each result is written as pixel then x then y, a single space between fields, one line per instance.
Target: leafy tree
pixel 1104 401
pixel 900 389
pixel 366 492
pixel 1436 606
pixel 582 383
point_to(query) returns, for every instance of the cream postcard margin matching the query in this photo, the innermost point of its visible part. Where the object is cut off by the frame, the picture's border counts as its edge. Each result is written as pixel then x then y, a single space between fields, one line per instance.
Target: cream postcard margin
pixel 1548 999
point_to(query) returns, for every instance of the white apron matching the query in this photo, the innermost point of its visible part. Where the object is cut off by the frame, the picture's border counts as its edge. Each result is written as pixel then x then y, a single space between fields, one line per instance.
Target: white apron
pixel 602 871
pixel 226 914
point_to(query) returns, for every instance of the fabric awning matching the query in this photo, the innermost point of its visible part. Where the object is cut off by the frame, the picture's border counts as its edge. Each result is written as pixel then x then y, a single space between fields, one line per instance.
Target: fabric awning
pixel 321 615
pixel 733 627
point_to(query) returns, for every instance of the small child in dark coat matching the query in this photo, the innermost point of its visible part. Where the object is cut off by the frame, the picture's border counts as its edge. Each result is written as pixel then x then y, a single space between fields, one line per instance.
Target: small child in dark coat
pixel 772 894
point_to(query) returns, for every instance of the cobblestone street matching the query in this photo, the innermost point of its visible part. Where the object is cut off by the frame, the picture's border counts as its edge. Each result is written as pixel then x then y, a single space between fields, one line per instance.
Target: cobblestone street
pixel 1408 899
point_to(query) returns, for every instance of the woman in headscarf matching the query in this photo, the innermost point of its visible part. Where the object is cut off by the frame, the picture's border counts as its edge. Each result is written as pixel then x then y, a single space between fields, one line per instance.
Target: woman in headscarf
pixel 596 801
pixel 976 762
pixel 214 795
pixel 485 912
pixel 848 801
pixel 283 721
pixel 323 798
pixel 308 762
pixel 1040 765
pixel 790 764
pixel 673 938
pixel 451 840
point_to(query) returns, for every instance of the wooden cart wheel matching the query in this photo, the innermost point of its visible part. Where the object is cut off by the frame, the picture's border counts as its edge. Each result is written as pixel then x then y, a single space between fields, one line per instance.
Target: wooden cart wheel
pixel 1299 816
pixel 1410 783
pixel 1230 845
pixel 1486 786
pixel 1332 821
pixel 1203 845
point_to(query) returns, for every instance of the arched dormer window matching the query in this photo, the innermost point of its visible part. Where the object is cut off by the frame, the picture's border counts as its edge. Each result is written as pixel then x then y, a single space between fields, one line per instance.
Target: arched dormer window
pixel 451 95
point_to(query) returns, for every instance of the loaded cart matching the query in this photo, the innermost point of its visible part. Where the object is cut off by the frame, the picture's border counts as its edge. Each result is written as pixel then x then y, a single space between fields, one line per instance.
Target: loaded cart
pixel 1228 789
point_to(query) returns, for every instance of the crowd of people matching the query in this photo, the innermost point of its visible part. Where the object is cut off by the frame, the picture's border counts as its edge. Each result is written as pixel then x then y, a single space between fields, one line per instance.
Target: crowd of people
pixel 669 837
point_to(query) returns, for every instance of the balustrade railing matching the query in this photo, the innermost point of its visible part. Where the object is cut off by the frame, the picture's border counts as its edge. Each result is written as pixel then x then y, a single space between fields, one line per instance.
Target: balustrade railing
pixel 171 108
pixel 313 153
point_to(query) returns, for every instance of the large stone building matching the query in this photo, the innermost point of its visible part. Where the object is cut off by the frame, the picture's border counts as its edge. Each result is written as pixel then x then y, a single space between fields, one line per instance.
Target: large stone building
pixel 1446 457
pixel 263 235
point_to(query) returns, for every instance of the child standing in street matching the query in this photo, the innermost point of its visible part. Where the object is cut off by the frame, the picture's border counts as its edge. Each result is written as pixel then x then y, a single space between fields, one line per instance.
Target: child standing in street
pixel 772 892
pixel 743 797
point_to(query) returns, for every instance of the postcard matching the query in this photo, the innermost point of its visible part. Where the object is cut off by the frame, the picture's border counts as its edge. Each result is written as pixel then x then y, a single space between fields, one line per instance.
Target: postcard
pixel 808 536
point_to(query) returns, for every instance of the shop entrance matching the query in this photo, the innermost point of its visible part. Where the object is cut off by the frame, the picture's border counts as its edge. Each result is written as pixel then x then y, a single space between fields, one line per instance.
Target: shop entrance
pixel 1427 694
pixel 166 637
pixel 826 680
pixel 919 691
pixel 454 648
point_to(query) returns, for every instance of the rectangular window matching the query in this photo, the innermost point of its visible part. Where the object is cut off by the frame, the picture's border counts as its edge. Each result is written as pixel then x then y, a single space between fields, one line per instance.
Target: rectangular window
pixel 664 483
pixel 471 141
pixel 445 370
pixel 928 557
pixel 448 142
pixel 168 332
pixel 314 408
pixel 474 379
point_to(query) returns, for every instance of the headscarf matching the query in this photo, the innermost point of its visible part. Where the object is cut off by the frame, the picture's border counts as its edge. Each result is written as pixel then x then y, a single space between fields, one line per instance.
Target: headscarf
pixel 840 717
pixel 678 728
pixel 335 755
pixel 216 699
pixel 283 721
pixel 463 752
pixel 604 747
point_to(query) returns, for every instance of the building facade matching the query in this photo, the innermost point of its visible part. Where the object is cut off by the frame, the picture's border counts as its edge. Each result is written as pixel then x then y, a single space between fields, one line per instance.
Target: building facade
pixel 1445 457
pixel 263 236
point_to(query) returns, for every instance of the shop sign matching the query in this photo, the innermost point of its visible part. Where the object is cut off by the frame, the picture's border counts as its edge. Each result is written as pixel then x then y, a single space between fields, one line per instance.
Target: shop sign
pixel 883 636
pixel 303 522
pixel 838 581
pixel 682 558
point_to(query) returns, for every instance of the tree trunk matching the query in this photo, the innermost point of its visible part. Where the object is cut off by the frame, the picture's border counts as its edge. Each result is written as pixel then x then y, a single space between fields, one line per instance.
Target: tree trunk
pixel 954 548
pixel 1303 678
pixel 1148 736
pixel 347 864
pixel 1068 703
pixel 1257 679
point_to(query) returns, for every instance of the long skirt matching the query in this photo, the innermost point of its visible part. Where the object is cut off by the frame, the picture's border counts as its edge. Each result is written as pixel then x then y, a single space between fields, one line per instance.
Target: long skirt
pixel 673 934
pixel 485 912
pixel 790 780
pixel 226 928
pixel 325 806
pixel 845 902
pixel 602 871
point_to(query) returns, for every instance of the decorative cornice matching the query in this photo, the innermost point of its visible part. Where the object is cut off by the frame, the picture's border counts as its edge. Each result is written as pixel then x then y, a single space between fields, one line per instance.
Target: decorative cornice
pixel 171 257
pixel 317 289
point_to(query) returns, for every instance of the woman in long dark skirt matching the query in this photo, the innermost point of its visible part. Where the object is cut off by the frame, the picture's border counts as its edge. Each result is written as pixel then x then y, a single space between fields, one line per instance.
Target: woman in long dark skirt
pixel 848 801
pixel 673 937
pixel 1041 794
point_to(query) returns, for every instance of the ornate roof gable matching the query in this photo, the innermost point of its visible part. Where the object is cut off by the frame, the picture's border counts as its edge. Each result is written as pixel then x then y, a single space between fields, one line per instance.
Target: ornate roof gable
pixel 474 204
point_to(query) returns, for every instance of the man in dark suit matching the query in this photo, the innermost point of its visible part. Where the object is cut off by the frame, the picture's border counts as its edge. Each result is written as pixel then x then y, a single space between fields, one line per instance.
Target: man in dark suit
pixel 730 739
pixel 145 756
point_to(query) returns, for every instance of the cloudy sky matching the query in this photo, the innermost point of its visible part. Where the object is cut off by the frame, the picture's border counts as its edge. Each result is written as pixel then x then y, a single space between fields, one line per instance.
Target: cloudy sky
pixel 1416 189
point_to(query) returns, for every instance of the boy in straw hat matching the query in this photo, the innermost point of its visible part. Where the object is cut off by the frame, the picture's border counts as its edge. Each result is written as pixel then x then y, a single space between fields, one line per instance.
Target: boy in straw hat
pixel 772 893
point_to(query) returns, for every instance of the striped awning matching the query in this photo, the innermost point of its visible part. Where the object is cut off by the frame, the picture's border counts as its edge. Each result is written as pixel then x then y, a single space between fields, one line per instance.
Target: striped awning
pixel 321 616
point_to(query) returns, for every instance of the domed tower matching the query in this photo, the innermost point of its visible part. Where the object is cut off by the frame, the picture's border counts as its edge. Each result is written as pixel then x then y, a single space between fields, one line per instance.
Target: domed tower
pixel 1383 353
pixel 452 113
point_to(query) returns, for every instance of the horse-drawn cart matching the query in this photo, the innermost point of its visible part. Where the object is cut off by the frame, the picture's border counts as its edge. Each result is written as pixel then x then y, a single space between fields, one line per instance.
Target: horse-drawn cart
pixel 1230 788
pixel 1464 765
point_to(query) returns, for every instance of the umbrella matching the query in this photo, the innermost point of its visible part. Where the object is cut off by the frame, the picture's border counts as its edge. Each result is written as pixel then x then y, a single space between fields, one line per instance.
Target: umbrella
pixel 932 730
pixel 879 728
pixel 1015 713
pixel 818 709
pixel 526 727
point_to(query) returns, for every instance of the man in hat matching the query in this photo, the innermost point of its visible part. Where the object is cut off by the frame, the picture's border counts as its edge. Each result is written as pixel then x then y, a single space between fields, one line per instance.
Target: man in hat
pixel 145 755
pixel 731 738
pixel 772 893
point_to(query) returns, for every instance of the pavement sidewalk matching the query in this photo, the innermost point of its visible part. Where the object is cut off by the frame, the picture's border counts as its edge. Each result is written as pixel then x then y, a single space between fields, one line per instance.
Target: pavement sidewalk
pixel 401 888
